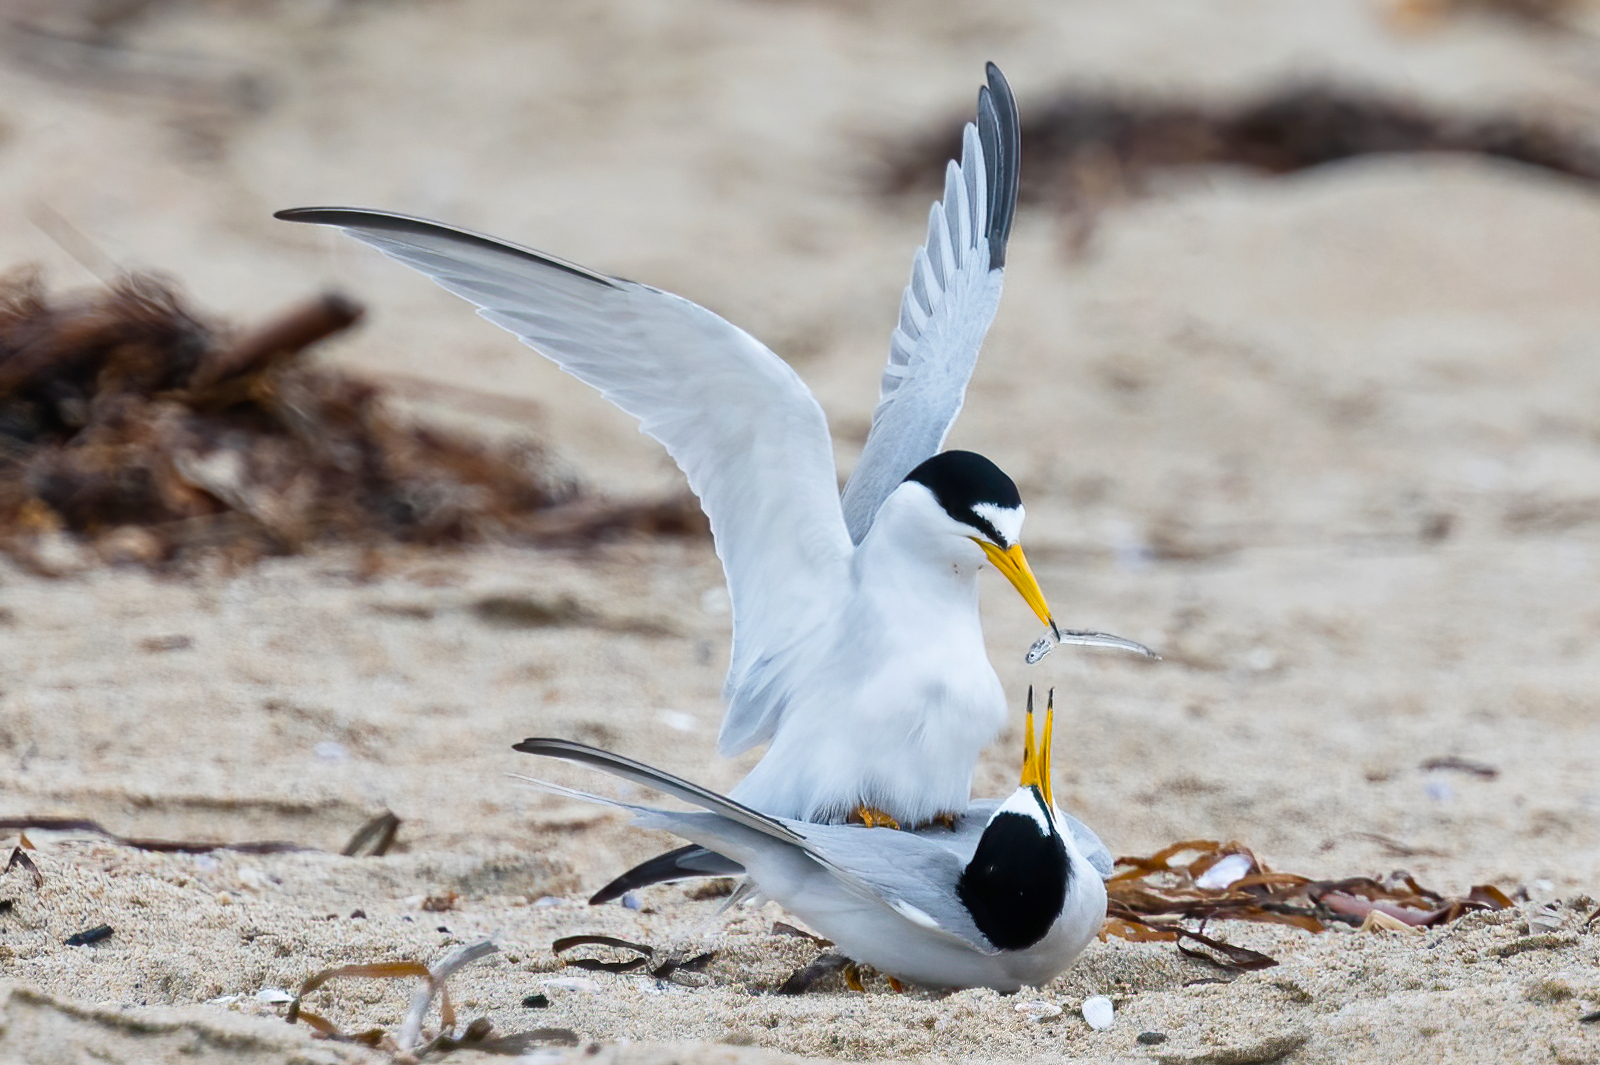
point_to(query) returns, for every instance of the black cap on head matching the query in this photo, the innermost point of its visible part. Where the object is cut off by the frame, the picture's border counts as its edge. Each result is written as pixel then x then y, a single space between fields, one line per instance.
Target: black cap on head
pixel 960 481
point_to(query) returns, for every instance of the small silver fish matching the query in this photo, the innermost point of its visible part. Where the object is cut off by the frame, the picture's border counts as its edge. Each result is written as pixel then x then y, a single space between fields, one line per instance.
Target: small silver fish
pixel 1047 643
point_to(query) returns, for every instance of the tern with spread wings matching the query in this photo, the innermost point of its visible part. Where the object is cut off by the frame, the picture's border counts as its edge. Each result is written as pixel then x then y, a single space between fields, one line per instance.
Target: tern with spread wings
pixel 858 656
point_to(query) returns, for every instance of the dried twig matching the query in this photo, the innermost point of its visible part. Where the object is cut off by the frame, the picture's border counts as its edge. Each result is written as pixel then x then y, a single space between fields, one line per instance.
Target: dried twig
pixel 1462 765
pixel 284 337
pixel 75 824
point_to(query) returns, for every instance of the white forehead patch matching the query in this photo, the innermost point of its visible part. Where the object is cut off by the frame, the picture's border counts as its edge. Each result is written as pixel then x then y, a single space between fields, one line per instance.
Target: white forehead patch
pixel 1026 801
pixel 1007 520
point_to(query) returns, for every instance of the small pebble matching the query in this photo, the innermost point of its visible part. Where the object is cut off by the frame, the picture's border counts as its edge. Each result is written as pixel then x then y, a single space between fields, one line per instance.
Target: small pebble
pixel 1151 1039
pixel 1259 659
pixel 536 1002
pixel 1098 1012
pixel 678 720
pixel 631 901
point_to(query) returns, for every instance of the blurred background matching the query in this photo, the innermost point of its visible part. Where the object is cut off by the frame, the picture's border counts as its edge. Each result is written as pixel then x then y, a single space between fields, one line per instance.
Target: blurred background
pixel 1297 368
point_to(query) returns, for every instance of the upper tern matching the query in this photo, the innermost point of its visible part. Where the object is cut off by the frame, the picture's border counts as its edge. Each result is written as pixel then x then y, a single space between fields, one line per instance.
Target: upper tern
pixel 1006 897
pixel 857 649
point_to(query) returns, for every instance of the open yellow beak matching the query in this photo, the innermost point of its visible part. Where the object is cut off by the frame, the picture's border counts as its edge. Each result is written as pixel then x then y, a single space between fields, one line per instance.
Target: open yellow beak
pixel 1014 564
pixel 1036 760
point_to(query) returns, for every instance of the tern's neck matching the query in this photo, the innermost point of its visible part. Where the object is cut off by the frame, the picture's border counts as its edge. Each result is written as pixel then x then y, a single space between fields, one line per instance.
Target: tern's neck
pixel 913 561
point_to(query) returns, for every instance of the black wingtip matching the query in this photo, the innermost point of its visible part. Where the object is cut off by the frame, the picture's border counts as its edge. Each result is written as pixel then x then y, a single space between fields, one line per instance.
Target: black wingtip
pixel 1001 135
pixel 322 215
pixel 685 863
pixel 366 219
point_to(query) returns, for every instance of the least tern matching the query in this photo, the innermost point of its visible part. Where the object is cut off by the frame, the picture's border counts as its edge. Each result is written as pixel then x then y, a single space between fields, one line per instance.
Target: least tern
pixel 1005 898
pixel 858 654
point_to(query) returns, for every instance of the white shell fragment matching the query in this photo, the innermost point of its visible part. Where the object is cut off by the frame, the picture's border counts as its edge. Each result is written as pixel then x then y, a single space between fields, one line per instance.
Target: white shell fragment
pixel 1047 643
pixel 1547 919
pixel 579 984
pixel 1225 871
pixel 1039 1010
pixel 273 996
pixel 1098 1012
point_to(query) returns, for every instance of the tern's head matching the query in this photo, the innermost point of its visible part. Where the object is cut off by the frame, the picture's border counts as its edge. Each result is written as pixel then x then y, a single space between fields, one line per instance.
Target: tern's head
pixel 982 504
pixel 1015 887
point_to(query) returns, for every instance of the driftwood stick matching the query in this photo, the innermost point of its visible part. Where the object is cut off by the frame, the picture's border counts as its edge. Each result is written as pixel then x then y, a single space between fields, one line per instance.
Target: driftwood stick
pixel 283 337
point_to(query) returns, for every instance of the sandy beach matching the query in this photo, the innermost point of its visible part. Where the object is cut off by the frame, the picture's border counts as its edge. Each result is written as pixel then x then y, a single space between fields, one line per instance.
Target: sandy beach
pixel 1328 441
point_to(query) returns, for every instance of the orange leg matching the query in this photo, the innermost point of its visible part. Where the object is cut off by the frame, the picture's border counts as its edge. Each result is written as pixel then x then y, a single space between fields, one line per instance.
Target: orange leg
pixel 872 817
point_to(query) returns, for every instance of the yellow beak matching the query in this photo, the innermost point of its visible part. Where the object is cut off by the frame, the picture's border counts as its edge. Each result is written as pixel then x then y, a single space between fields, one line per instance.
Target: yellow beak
pixel 1014 564
pixel 1036 760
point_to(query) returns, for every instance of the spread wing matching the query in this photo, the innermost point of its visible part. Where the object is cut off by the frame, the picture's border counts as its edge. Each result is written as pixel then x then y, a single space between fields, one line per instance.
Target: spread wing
pixel 946 309
pixel 742 425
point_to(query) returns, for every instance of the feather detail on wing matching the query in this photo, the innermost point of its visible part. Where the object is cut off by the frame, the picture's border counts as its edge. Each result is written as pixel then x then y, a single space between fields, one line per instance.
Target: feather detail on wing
pixel 659 780
pixel 946 309
pixel 834 841
pixel 739 421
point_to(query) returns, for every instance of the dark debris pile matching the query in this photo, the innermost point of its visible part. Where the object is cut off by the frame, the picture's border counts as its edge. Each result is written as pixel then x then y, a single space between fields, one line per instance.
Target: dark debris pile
pixel 130 423
pixel 1087 147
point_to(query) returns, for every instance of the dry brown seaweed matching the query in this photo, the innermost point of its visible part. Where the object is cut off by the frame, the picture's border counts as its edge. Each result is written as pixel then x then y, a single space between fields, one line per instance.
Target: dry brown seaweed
pixel 131 422
pixel 375 837
pixel 1149 897
pixel 408 1043
pixel 661 966
pixel 19 860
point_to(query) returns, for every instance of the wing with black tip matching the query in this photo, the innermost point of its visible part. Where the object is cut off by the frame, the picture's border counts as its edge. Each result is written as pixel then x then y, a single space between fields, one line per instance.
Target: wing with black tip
pixel 946 309
pixel 739 421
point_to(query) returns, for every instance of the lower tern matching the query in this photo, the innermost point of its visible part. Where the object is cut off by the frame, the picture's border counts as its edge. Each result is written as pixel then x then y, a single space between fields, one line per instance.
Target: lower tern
pixel 1007 897
pixel 858 654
